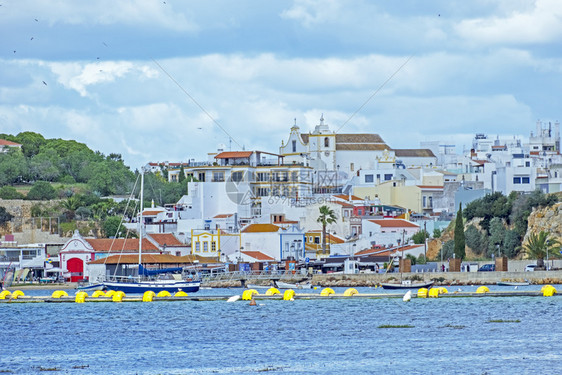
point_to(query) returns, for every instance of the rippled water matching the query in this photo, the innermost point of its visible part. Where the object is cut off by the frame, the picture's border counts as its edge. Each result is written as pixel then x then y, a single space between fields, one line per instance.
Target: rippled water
pixel 449 336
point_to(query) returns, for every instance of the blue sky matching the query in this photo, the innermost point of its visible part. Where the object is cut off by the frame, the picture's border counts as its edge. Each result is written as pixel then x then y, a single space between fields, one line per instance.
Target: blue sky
pixel 255 66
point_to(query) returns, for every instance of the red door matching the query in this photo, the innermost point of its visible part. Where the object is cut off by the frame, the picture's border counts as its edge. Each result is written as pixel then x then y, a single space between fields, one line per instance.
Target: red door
pixel 76 268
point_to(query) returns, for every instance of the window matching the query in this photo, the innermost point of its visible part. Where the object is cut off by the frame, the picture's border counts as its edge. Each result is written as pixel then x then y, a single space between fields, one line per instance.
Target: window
pixel 359 212
pixel 424 198
pixel 525 180
pixel 527 163
pixel 516 180
pixel 201 177
pixel 205 247
pixel 263 177
pixel 197 247
pixel 388 176
pixel 430 202
pixel 237 176
pixel 369 178
pixel 316 240
pixel 351 167
pixel 326 142
pixel 294 146
pixel 213 246
pixel 218 176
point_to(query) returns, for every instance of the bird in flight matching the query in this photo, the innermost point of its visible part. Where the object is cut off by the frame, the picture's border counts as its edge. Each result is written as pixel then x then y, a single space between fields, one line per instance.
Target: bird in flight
pixel 45 83
pixel 36 20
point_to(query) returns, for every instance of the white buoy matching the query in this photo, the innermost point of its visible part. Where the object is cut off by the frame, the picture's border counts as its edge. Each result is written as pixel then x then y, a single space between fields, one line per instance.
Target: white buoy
pixel 233 298
pixel 515 286
pixel 459 290
pixel 407 296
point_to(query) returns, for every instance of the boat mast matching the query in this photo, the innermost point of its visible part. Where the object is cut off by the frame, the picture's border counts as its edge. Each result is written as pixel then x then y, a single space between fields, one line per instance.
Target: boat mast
pixel 141 220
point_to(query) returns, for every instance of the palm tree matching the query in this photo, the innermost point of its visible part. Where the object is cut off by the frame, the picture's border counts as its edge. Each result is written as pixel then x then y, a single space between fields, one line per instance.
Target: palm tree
pixel 327 216
pixel 539 246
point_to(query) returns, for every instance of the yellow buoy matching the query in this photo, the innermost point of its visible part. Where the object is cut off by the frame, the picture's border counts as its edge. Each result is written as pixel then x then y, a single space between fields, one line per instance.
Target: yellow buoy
pixel 433 293
pixel 482 289
pixel 118 297
pixel 272 292
pixel 350 292
pixel 98 293
pixel 180 293
pixel 17 293
pixel 163 293
pixel 59 294
pixel 443 290
pixel 327 292
pixel 545 287
pixel 422 293
pixel 549 291
pixel 247 295
pixel 110 293
pixel 289 295
pixel 4 294
pixel 80 297
pixel 148 296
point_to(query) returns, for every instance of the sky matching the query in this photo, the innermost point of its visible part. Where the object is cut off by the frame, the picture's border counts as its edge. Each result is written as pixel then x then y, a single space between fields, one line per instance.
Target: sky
pixel 172 80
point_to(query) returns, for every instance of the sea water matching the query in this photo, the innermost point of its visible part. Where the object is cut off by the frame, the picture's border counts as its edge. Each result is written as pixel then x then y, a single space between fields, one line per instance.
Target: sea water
pixel 485 335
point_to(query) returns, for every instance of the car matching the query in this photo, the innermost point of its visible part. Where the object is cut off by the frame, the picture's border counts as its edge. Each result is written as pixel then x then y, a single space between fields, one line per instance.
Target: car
pixel 530 267
pixel 487 267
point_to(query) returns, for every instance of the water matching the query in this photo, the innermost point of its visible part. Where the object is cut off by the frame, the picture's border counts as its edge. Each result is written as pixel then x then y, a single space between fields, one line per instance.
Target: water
pixel 449 336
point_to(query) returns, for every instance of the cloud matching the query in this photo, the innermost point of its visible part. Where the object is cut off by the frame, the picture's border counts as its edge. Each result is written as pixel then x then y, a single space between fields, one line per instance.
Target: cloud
pixel 541 24
pixel 78 76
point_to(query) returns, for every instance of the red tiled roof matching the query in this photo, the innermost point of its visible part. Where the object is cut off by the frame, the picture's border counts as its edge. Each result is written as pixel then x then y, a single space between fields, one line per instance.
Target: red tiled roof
pixel 222 216
pixel 152 259
pixel 151 213
pixel 255 228
pixel 233 154
pixel 167 239
pixel 120 244
pixel 394 223
pixel 258 255
pixel 4 142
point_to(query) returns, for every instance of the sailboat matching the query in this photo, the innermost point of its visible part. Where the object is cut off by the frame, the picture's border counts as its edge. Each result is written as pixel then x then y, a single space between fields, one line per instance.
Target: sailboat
pixel 152 280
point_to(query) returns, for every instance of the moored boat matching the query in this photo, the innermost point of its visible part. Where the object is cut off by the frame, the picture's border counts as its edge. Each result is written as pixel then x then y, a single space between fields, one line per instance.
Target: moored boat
pixel 406 284
pixel 510 283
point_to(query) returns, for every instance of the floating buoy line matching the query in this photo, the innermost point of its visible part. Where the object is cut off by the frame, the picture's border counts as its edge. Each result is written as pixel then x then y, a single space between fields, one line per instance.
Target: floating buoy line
pixel 60 296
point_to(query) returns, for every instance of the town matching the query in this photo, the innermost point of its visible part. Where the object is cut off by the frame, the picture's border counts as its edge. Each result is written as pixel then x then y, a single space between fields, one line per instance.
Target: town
pixel 325 202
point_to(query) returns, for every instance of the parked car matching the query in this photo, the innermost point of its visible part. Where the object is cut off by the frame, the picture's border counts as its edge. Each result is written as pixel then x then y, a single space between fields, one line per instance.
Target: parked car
pixel 487 267
pixel 530 267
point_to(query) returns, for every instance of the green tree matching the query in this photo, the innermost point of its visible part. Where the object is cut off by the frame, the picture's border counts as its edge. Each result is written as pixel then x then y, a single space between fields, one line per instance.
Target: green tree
pixel 420 236
pixel 437 233
pixel 511 243
pixel 459 235
pixel 538 246
pixel 14 167
pixel 41 190
pixel 181 177
pixel 473 239
pixel 30 143
pixel 5 216
pixel 112 227
pixel 497 235
pixel 10 192
pixel 327 216
pixel 447 250
pixel 45 165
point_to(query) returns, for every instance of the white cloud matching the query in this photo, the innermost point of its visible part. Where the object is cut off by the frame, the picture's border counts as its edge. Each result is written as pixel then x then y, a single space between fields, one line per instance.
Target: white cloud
pixel 313 12
pixel 541 24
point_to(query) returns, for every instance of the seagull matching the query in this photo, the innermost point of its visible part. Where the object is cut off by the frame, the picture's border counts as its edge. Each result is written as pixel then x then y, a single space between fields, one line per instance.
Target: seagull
pixel 45 83
pixel 31 38
pixel 36 20
pixel 14 51
pixel 104 44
